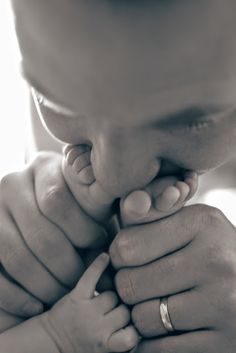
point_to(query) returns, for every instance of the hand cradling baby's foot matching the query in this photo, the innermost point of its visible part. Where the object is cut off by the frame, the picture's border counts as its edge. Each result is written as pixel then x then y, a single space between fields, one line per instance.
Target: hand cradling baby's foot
pixel 161 198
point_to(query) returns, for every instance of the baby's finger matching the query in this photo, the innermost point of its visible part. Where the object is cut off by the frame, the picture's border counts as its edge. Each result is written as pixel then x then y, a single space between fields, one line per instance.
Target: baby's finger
pixel 87 284
pixel 106 301
pixel 118 318
pixel 123 340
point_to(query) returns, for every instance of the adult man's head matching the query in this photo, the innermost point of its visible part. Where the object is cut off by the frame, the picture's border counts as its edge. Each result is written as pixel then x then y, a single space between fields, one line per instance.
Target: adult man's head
pixel 147 81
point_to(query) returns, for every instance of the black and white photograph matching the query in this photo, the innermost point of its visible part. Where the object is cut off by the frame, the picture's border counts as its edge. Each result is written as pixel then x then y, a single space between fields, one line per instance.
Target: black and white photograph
pixel 118 176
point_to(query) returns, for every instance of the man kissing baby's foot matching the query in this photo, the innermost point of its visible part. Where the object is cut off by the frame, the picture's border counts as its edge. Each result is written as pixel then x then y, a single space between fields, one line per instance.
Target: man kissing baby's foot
pixel 161 198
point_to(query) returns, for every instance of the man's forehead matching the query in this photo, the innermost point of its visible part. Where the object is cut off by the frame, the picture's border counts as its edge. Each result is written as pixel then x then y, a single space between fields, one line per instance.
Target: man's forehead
pixel 102 59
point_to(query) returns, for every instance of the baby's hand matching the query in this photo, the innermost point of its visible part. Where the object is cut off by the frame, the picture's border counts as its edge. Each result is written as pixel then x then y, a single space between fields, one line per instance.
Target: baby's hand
pixel 161 198
pixel 87 323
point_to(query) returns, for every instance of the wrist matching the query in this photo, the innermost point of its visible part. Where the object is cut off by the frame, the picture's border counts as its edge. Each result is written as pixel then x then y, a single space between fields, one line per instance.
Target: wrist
pixel 52 323
pixel 49 332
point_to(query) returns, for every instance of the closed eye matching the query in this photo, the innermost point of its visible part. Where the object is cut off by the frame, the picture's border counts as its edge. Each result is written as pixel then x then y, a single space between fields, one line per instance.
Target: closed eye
pixel 42 101
pixel 193 119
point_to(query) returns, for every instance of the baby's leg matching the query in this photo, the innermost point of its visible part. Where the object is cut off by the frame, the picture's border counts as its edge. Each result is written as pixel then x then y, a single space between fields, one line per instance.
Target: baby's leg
pixel 78 172
pixel 161 198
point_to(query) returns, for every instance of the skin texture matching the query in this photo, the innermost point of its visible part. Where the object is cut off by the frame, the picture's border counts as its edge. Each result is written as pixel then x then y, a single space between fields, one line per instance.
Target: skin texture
pixel 116 95
pixel 104 327
pixel 124 83
pixel 43 216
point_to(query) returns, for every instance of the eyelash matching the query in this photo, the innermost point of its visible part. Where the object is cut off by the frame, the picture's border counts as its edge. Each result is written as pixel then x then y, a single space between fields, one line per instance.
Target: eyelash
pixel 200 125
pixel 45 104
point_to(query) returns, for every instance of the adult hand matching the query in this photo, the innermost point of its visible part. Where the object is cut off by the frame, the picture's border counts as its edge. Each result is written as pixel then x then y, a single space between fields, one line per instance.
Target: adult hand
pixel 41 224
pixel 190 258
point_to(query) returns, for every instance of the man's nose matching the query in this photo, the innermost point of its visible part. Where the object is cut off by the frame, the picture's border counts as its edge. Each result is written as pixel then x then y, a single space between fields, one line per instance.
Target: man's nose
pixel 122 164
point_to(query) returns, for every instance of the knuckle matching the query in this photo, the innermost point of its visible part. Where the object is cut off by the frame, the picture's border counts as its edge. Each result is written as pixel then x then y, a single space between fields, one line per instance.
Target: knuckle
pixel 52 200
pixel 125 246
pixel 167 266
pixel 43 158
pixel 8 181
pixel 210 216
pixel 220 259
pixel 124 281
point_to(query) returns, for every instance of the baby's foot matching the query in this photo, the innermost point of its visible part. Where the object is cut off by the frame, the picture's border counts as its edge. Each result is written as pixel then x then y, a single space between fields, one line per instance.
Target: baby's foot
pixel 161 198
pixel 78 172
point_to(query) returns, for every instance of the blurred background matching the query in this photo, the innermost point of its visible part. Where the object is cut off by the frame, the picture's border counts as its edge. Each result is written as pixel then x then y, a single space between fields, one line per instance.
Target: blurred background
pixel 14 115
pixel 15 130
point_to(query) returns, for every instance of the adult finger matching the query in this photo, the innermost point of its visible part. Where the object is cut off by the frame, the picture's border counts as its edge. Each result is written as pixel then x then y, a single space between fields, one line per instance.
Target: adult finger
pixel 138 245
pixel 189 311
pixel 19 262
pixel 201 341
pixel 58 204
pixel 88 282
pixel 45 240
pixel 8 321
pixel 16 301
pixel 172 274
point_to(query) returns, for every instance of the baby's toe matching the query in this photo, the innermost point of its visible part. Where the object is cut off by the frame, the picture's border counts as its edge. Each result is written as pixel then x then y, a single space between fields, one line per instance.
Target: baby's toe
pixel 78 172
pixel 81 162
pixel 166 201
pixel 184 190
pixel 77 163
pixel 71 153
pixel 86 176
pixel 137 204
pixel 191 179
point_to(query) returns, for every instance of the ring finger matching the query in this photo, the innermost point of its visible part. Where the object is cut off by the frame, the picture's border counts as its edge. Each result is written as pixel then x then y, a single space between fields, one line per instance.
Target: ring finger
pixel 188 311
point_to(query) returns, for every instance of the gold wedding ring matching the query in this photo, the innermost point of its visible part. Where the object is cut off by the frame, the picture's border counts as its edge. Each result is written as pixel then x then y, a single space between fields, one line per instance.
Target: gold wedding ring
pixel 165 315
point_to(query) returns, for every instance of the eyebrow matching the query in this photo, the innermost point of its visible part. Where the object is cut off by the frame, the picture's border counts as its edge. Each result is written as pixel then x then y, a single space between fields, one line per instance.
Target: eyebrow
pixel 47 97
pixel 187 116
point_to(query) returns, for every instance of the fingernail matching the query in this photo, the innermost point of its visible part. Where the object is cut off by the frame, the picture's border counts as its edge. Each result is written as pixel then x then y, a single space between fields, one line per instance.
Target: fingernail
pixel 32 308
pixel 104 257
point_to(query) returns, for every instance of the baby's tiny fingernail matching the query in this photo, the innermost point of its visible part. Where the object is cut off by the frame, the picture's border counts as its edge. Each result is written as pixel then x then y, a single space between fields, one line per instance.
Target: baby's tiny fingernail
pixel 104 257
